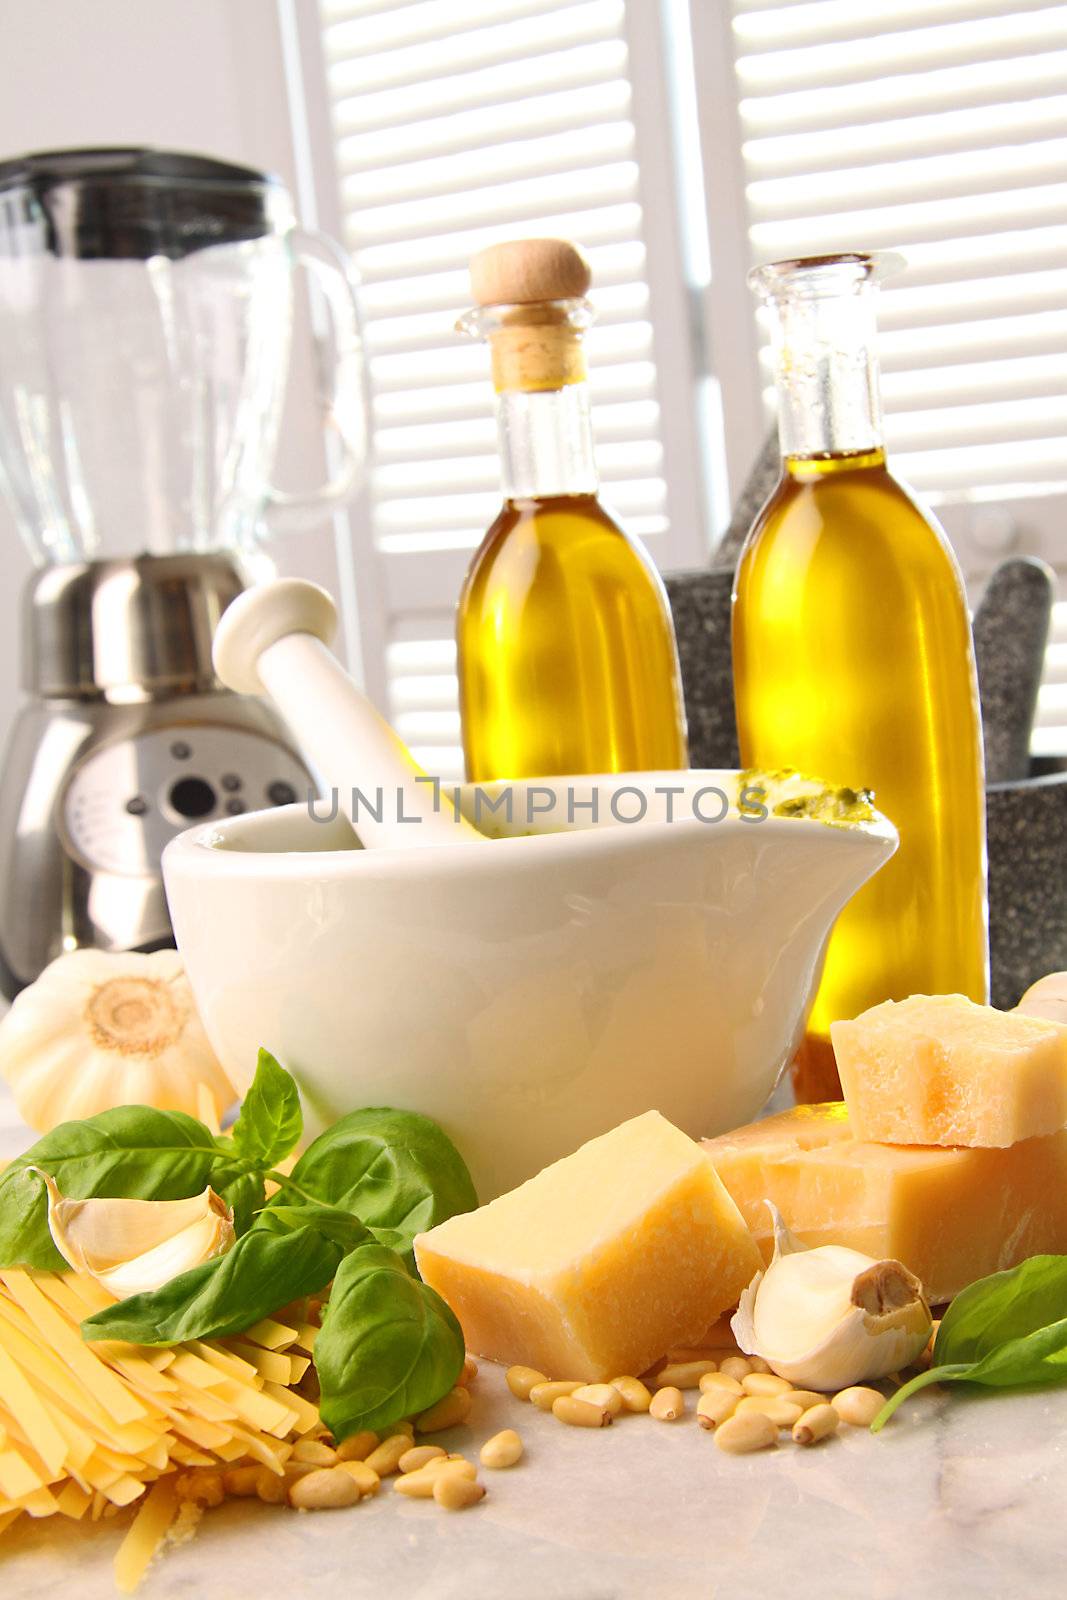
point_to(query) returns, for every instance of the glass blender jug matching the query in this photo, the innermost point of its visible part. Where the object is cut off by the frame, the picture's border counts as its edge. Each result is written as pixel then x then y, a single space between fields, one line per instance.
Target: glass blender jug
pixel 146 314
pixel 145 321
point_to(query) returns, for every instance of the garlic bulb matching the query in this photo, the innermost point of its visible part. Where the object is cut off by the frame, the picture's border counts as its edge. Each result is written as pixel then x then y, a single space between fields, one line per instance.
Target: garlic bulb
pixel 99 1030
pixel 830 1317
pixel 133 1246
pixel 1046 998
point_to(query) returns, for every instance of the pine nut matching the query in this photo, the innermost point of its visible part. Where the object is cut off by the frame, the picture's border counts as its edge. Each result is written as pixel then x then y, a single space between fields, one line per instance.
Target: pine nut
pixel 684 1374
pixel 635 1396
pixel 739 1435
pixel 714 1406
pixel 406 1426
pixel 544 1395
pixel 758 1364
pixel 358 1446
pixel 241 1481
pixel 720 1380
pixel 777 1407
pixel 456 1493
pixel 416 1485
pixel 520 1380
pixel 447 1413
pixel 363 1476
pixel 470 1371
pixel 667 1405
pixel 385 1460
pixel 579 1413
pixel 418 1456
pixel 420 1485
pixel 858 1406
pixel 735 1367
pixel 502 1450
pixel 765 1383
pixel 719 1356
pixel 460 1464
pixel 805 1398
pixel 604 1395
pixel 815 1424
pixel 326 1489
pixel 272 1489
pixel 311 1450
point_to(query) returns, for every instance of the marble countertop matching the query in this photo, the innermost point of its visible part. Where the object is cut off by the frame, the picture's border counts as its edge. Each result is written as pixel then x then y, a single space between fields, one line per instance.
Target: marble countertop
pixel 959 1497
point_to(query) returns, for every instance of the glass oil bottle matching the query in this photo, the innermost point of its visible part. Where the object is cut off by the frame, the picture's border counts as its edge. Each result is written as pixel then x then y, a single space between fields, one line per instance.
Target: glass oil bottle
pixel 566 651
pixel 853 660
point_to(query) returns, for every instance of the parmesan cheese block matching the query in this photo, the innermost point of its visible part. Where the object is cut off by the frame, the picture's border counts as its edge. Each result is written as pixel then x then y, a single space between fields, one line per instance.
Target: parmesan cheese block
pixel 938 1069
pixel 601 1262
pixel 951 1216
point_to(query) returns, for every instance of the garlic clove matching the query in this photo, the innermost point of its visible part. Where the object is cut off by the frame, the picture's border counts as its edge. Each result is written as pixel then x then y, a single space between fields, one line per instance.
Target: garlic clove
pixel 132 1246
pixel 829 1317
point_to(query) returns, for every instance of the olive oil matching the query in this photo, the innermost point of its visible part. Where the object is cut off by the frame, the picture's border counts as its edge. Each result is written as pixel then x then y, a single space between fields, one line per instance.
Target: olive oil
pixel 566 648
pixel 566 651
pixel 853 660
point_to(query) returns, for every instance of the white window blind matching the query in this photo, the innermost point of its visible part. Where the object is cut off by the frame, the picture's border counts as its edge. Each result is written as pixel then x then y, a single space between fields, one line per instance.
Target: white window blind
pixel 456 124
pixel 938 128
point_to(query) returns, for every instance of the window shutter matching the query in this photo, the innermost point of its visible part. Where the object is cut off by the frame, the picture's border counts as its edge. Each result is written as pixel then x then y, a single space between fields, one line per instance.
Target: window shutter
pixel 939 128
pixel 457 124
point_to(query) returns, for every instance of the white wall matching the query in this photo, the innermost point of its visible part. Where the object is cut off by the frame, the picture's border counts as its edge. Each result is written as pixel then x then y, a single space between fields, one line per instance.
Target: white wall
pixel 199 75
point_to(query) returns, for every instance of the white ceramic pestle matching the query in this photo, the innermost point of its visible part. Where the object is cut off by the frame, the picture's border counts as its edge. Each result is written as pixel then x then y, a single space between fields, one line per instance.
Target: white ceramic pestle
pixel 274 639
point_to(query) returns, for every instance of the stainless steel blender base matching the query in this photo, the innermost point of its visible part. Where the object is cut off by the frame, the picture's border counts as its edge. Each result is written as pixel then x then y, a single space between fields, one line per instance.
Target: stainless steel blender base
pixel 89 797
pixel 127 740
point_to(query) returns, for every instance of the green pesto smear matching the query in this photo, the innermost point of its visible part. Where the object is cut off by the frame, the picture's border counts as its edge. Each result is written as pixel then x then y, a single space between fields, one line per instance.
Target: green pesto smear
pixel 789 793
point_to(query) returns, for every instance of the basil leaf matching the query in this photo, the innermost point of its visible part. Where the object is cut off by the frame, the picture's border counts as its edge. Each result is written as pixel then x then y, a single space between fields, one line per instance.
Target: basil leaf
pixel 389 1347
pixel 262 1271
pixel 243 1192
pixel 393 1169
pixel 270 1121
pixel 340 1226
pixel 1007 1306
pixel 24 1237
pixel 130 1152
pixel 1038 1357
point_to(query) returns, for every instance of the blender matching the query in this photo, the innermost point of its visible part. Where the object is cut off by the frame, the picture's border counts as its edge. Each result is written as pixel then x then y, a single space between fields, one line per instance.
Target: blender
pixel 146 310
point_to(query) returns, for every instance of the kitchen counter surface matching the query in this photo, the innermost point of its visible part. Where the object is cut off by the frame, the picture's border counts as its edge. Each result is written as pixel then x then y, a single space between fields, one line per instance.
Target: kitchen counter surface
pixel 959 1497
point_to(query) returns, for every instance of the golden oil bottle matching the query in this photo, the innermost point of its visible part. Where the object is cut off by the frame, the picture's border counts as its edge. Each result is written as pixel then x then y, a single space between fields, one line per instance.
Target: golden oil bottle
pixel 853 660
pixel 566 651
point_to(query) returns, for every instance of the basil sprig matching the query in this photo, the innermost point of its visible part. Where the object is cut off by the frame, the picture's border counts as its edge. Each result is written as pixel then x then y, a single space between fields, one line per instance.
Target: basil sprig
pixel 1006 1331
pixel 389 1347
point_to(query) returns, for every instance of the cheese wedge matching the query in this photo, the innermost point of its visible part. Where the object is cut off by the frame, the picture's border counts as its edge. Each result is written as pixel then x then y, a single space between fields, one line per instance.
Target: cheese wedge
pixel 951 1216
pixel 600 1263
pixel 938 1069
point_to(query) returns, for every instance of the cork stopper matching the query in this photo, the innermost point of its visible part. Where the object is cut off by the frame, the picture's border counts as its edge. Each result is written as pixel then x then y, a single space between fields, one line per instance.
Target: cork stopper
pixel 528 289
pixel 522 272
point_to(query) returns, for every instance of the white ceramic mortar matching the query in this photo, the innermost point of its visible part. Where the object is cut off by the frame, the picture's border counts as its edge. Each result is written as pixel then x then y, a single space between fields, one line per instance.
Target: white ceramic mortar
pixel 527 993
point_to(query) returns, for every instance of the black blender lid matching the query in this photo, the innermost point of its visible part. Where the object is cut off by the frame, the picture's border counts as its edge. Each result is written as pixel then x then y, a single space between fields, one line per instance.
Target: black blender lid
pixel 41 168
pixel 136 201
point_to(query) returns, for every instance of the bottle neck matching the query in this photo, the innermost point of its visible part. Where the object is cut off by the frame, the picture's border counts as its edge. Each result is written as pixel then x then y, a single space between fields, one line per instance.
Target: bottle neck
pixel 546 442
pixel 827 374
